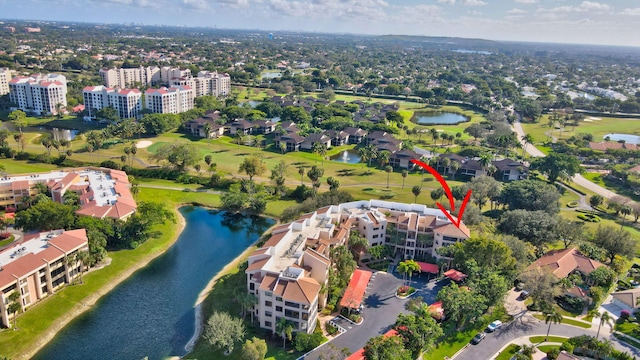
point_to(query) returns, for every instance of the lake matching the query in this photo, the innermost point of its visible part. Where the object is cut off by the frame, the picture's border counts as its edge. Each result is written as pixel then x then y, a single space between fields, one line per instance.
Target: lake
pixel 628 138
pixel 347 156
pixel 66 134
pixel 438 118
pixel 152 313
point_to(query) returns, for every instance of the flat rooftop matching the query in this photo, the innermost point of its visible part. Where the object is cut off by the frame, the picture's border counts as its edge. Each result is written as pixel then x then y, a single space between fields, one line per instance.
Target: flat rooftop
pixel 32 246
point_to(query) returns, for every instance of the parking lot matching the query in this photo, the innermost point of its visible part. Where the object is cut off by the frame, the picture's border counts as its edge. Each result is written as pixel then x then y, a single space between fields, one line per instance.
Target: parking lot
pixel 381 308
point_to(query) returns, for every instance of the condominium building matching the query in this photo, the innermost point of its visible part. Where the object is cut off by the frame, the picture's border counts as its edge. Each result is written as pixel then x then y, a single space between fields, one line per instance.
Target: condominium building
pixel 168 72
pixel 5 77
pixel 207 83
pixel 288 271
pixel 95 98
pixel 103 193
pixel 37 266
pixel 40 94
pixel 130 77
pixel 173 100
pixel 127 102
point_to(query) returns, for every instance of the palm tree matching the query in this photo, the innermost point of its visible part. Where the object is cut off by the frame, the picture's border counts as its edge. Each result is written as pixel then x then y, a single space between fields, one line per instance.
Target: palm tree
pixel 14 306
pixel 605 318
pixel 364 155
pixel 454 167
pixel 404 174
pixel 403 268
pixel 552 317
pixel 416 190
pixel 301 173
pixel 319 149
pixel 526 140
pixel 207 131
pixel 411 267
pixel 83 258
pixel 383 157
pixel 372 153
pixel 284 327
pixel 389 170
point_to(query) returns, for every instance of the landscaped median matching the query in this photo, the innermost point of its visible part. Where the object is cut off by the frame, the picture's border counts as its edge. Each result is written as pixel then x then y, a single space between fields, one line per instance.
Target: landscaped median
pixel 567 321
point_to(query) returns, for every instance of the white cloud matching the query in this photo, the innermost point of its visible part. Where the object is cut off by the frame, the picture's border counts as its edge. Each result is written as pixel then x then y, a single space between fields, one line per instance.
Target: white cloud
pixel 631 12
pixel 527 1
pixel 583 7
pixel 475 2
pixel 590 6
pixel 336 9
pixel 447 1
pixel 516 11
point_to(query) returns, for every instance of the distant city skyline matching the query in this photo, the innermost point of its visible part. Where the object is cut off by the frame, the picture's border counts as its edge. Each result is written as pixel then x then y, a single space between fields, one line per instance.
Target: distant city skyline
pixel 611 22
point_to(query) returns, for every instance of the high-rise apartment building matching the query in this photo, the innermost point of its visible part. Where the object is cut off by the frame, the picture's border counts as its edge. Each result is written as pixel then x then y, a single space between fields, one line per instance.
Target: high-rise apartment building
pixel 40 94
pixel 207 83
pixel 5 77
pixel 173 100
pixel 127 102
pixel 126 78
pixel 95 98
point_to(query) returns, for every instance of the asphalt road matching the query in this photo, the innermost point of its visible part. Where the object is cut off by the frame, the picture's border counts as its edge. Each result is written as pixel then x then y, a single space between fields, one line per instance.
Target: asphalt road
pixel 380 313
pixel 578 179
pixel 525 325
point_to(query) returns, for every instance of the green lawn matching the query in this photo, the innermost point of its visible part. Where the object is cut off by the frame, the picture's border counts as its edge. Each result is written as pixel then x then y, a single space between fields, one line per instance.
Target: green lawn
pixel 451 345
pixel 508 352
pixel 598 128
pixel 7 241
pixel 547 348
pixel 539 339
pixel 614 186
pixel 568 321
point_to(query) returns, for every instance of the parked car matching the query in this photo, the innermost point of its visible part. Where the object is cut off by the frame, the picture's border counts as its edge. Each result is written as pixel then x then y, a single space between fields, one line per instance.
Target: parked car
pixel 494 326
pixel 523 295
pixel 476 339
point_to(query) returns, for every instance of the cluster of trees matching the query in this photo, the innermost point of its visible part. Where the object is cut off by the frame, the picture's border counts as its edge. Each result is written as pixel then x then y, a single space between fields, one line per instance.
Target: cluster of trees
pixel 417 332
pixel 45 214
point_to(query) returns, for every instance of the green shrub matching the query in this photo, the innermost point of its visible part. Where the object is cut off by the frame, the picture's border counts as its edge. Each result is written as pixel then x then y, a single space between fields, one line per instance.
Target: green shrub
pixel 572 204
pixel 589 218
pixel 330 328
pixel 566 346
pixel 553 354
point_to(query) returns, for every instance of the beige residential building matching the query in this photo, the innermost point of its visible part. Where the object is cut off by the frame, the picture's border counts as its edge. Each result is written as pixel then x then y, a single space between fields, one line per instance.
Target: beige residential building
pixel 40 94
pixel 126 78
pixel 168 72
pixel 5 77
pixel 103 193
pixel 173 100
pixel 207 83
pixel 288 271
pixel 127 102
pixel 95 98
pixel 37 266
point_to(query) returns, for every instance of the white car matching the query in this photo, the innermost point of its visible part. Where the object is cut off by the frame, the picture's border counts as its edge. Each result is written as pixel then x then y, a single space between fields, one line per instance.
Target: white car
pixel 494 326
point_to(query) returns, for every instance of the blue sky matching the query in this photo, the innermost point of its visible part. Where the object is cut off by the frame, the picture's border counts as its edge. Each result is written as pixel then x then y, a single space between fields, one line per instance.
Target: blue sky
pixel 613 22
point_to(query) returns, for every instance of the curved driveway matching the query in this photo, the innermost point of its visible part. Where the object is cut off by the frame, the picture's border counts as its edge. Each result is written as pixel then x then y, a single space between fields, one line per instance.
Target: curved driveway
pixel 577 178
pixel 526 325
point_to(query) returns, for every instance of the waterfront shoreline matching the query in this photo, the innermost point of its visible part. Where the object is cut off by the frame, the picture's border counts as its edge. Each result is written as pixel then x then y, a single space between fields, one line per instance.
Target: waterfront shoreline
pixel 199 312
pixel 88 302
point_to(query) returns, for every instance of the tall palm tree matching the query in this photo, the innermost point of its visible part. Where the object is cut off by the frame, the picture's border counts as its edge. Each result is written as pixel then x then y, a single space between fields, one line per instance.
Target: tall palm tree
pixel 364 155
pixel 301 172
pixel 552 317
pixel 485 160
pixel 83 258
pixel 404 174
pixel 389 170
pixel 284 327
pixel 526 140
pixel 207 131
pixel 14 306
pixel 383 157
pixel 411 267
pixel 319 149
pixel 605 318
pixel 403 268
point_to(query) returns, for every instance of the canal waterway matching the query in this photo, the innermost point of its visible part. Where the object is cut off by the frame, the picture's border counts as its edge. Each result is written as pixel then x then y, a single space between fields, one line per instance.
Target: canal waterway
pixel 152 313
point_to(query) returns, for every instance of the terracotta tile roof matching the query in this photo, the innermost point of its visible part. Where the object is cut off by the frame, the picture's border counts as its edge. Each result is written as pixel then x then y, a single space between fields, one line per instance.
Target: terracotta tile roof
pixel 20 185
pixel 268 282
pixel 70 240
pixel 258 264
pixel 561 263
pixel 453 231
pixel 274 239
pixel 628 297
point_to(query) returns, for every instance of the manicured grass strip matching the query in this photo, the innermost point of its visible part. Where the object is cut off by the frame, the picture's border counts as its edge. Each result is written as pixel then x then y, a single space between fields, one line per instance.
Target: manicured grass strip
pixel 627 340
pixel 547 348
pixel 507 353
pixel 7 241
pixel 451 345
pixel 568 321
pixel 539 339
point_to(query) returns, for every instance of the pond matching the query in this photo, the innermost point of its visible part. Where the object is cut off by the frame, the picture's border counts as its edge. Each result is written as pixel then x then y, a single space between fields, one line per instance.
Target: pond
pixel 152 313
pixel 628 138
pixel 66 134
pixel 347 156
pixel 271 75
pixel 438 118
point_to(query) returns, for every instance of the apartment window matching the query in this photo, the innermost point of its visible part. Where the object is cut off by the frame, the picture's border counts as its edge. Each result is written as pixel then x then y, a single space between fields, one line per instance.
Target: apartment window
pixel 278 298
pixel 292 314
pixel 305 316
pixel 252 286
pixel 292 304
pixel 268 293
pixel 268 313
pixel 375 236
pixel 279 308
pixel 268 303
pixel 267 324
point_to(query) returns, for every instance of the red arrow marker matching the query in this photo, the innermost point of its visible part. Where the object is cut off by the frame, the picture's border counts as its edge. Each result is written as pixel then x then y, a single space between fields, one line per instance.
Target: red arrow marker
pixel 447 191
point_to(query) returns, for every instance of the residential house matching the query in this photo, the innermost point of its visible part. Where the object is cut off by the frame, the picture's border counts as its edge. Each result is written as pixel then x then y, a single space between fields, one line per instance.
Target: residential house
pixel 292 140
pixel 265 126
pixel 196 127
pixel 311 139
pixel 356 135
pixel 627 299
pixel 241 126
pixel 338 138
pixel 509 170
pixel 402 159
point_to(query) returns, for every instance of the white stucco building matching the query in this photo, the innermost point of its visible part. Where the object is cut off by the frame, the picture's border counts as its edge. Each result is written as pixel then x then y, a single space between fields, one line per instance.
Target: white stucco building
pixel 39 94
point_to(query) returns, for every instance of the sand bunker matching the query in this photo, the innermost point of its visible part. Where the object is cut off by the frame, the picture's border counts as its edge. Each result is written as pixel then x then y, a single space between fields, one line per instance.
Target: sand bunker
pixel 143 144
pixel 594 118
